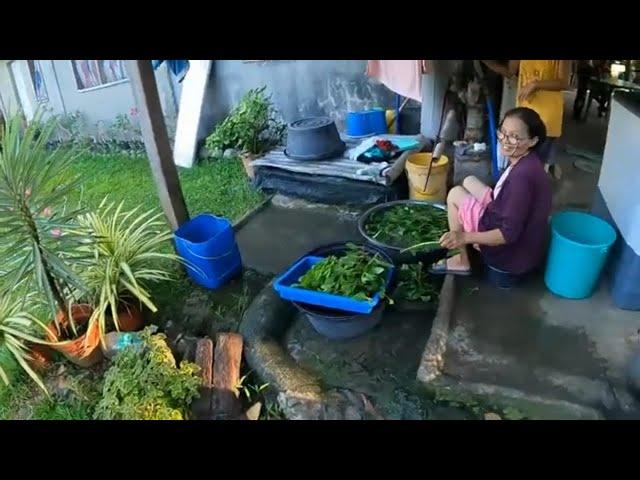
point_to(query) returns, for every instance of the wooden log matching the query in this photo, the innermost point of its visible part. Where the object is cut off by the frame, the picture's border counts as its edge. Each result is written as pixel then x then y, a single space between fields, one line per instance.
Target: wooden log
pixel 201 407
pixel 204 359
pixel 226 376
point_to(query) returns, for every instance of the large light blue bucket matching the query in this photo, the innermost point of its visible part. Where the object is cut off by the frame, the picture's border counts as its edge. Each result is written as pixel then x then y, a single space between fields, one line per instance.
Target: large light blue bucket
pixel 580 244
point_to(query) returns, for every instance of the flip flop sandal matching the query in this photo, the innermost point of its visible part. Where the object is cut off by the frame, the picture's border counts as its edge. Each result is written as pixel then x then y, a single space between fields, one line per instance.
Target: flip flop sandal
pixel 440 268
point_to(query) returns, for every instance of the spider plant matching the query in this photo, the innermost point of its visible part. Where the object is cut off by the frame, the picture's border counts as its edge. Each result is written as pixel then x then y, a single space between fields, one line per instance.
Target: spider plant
pixel 127 258
pixel 16 328
pixel 41 242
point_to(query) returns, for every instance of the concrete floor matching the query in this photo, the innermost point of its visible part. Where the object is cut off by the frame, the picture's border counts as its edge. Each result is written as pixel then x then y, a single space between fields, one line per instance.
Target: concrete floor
pixel 532 341
pixel 526 340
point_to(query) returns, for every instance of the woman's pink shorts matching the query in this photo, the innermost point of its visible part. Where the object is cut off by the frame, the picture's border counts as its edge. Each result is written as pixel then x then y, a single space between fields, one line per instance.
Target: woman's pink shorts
pixel 471 210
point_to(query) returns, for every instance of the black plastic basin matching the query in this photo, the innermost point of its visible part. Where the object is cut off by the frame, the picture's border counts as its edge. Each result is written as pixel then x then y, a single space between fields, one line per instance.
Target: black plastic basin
pixel 314 138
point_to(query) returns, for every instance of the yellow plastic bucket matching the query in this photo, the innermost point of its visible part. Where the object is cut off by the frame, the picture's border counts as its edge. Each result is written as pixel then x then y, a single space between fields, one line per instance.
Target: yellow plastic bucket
pixel 390 116
pixel 417 168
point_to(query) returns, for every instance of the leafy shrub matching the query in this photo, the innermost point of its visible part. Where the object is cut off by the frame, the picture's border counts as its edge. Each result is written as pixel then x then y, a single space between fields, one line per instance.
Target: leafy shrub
pixel 144 383
pixel 251 127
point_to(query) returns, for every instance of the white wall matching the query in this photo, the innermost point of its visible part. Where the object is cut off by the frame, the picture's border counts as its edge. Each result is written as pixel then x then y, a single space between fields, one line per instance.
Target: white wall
pixel 620 174
pixel 101 104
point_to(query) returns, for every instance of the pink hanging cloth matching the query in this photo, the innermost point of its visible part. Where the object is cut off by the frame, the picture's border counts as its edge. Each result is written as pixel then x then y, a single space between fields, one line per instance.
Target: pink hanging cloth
pixel 401 76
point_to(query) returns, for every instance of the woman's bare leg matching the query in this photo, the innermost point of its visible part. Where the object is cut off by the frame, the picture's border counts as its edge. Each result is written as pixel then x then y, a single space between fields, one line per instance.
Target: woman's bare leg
pixel 456 196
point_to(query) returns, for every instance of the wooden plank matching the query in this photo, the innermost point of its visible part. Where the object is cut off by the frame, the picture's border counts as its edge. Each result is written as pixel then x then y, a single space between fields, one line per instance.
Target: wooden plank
pixel 156 140
pixel 204 359
pixel 226 376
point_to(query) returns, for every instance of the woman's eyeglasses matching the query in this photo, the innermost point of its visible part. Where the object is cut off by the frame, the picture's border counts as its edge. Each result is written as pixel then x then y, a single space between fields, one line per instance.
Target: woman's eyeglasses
pixel 509 139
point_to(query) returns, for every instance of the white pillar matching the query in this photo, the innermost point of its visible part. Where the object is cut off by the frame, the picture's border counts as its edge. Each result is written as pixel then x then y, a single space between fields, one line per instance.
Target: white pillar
pixel 194 87
pixel 434 87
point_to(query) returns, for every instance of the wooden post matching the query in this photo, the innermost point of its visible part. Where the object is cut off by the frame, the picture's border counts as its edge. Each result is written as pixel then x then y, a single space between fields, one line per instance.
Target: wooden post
pixel 156 140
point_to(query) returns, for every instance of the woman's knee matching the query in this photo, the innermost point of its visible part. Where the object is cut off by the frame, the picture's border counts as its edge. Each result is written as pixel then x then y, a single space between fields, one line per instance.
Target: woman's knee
pixel 456 194
pixel 469 182
pixel 475 186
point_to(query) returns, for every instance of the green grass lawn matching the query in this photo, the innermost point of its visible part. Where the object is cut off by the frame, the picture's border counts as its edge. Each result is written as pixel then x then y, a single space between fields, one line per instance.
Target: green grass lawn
pixel 220 187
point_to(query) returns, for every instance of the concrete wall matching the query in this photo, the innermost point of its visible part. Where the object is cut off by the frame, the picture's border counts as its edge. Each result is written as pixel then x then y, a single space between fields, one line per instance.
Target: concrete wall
pixel 300 88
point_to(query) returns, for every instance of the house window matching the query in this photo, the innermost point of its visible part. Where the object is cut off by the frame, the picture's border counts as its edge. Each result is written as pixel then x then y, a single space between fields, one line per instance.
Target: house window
pixel 96 73
pixel 37 80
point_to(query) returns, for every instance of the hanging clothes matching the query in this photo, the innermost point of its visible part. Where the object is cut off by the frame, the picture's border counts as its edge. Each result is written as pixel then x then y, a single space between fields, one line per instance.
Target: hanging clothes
pixel 401 76
pixel 178 68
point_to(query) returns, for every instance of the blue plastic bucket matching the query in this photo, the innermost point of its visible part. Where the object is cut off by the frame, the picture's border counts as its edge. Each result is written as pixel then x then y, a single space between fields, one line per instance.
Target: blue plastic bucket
pixel 377 121
pixel 207 243
pixel 580 244
pixel 358 124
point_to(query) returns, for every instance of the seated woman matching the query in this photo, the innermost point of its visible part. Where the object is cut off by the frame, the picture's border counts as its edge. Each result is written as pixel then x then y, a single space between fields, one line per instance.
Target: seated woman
pixel 510 223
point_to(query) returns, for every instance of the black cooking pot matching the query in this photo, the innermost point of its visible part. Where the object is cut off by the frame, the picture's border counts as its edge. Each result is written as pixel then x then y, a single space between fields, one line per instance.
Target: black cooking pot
pixel 315 138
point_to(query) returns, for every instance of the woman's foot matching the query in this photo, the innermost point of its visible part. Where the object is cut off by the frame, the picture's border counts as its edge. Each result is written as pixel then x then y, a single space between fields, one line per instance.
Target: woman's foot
pixel 453 266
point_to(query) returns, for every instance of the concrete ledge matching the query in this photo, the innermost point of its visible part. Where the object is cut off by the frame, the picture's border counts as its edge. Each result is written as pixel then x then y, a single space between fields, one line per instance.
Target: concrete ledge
pixel 529 406
pixel 432 361
pixel 242 221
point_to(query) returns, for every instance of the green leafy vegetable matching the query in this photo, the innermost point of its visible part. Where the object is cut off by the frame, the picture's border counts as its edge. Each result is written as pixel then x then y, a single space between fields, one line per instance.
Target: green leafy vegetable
pixel 415 285
pixel 357 275
pixel 408 226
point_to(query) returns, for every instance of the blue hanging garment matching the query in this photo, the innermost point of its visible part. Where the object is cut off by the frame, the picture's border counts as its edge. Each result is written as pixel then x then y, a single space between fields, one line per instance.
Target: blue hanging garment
pixel 178 68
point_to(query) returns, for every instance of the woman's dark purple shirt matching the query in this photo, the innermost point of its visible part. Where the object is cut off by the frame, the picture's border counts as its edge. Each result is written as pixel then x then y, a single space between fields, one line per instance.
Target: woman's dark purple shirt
pixel 521 212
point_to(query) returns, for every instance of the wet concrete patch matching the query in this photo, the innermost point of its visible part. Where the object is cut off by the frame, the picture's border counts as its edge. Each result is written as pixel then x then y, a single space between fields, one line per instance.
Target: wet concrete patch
pixel 515 340
pixel 273 239
pixel 514 324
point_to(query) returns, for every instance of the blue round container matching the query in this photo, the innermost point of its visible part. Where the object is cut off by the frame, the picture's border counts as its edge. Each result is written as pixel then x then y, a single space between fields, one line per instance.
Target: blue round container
pixel 207 244
pixel 358 124
pixel 377 121
pixel 580 244
pixel 335 324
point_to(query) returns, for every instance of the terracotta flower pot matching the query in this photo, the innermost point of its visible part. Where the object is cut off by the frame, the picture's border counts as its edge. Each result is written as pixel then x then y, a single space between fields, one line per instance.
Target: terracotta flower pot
pixel 41 356
pixel 247 160
pixel 85 350
pixel 130 318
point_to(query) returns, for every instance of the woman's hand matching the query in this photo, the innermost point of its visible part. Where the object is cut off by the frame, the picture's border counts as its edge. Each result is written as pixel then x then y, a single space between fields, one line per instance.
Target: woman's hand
pixel 527 91
pixel 453 240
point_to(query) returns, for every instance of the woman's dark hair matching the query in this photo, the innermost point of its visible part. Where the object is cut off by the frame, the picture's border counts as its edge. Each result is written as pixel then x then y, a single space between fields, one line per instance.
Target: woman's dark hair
pixel 535 125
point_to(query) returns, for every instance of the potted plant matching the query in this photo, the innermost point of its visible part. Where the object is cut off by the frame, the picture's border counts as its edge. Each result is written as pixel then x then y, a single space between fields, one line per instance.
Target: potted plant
pixel 127 258
pixel 43 242
pixel 252 128
pixel 16 334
